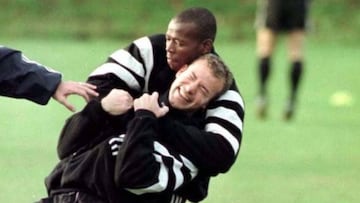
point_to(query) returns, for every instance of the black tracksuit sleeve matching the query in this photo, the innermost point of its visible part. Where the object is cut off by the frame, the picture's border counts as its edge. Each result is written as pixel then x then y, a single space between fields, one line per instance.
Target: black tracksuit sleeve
pixel 89 126
pixel 26 79
pixel 208 151
pixel 135 162
pixel 144 165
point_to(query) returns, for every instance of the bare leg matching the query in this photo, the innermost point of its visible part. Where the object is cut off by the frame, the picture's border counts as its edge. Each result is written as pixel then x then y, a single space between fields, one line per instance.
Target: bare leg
pixel 266 39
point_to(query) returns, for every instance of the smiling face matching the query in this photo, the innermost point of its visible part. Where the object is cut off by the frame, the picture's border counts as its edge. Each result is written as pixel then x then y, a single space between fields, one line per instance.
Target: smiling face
pixel 195 85
pixel 183 45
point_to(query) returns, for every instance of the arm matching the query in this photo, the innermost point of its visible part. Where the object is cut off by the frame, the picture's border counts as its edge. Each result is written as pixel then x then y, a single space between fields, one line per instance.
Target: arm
pixel 138 68
pixel 81 128
pixel 126 69
pixel 96 120
pixel 144 165
pixel 116 73
pixel 22 78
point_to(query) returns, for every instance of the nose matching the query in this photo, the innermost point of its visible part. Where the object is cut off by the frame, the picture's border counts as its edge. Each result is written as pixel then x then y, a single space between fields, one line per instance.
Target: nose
pixel 170 46
pixel 191 88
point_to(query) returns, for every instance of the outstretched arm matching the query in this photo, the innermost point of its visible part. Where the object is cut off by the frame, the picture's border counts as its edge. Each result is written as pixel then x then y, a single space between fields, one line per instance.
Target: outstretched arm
pixel 26 79
pixel 21 77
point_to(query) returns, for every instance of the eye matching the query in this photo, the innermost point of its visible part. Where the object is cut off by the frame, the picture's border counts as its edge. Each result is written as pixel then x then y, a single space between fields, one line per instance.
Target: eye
pixel 180 43
pixel 191 76
pixel 204 91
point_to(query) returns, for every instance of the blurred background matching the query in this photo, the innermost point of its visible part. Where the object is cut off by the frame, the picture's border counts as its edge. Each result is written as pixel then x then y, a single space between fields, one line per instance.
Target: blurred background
pixel 121 19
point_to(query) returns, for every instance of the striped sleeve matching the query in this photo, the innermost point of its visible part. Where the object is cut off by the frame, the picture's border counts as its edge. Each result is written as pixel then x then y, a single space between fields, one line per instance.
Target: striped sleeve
pixel 226 117
pixel 127 68
pixel 144 165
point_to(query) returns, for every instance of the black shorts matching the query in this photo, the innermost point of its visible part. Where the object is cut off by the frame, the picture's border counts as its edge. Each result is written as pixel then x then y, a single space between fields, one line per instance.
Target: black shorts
pixel 282 15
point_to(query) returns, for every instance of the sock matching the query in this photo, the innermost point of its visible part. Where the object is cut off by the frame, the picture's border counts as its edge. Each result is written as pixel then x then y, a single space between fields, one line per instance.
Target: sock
pixel 264 72
pixel 295 76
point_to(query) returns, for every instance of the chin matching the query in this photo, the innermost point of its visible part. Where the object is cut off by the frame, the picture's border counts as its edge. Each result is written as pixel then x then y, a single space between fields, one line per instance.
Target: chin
pixel 174 66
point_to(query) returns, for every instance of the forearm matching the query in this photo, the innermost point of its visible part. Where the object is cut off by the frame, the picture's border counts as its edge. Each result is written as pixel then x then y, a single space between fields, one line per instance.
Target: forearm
pixel 22 78
pixel 208 151
pixel 87 126
pixel 144 165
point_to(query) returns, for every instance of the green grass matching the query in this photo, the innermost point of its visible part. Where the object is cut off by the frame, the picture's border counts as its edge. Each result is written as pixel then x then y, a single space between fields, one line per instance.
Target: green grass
pixel 314 158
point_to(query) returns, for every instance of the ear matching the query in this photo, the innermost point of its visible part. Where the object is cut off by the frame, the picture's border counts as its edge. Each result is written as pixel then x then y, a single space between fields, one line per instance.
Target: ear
pixel 182 69
pixel 207 46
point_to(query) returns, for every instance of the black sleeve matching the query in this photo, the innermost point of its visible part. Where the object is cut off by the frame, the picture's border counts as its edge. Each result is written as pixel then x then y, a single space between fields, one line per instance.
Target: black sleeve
pixel 144 165
pixel 135 163
pixel 23 78
pixel 89 126
pixel 208 151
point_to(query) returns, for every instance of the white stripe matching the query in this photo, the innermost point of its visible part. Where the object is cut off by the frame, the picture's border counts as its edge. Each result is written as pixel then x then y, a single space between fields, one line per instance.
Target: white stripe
pixel 173 199
pixel 120 72
pixel 218 129
pixel 27 60
pixel 189 165
pixel 147 54
pixel 227 115
pixel 160 185
pixel 179 177
pixel 120 138
pixel 126 59
pixel 163 177
pixel 114 146
pixel 233 96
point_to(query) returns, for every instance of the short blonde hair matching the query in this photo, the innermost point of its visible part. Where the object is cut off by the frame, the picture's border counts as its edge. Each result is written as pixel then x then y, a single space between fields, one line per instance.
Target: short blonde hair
pixel 219 69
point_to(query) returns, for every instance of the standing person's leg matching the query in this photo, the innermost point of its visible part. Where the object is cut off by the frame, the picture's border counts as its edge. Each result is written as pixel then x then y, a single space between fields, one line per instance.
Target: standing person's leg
pixel 265 43
pixel 295 50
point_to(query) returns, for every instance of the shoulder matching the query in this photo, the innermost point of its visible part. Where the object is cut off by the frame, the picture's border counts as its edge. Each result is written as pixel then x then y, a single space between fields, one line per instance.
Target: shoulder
pixel 157 38
pixel 5 51
pixel 156 43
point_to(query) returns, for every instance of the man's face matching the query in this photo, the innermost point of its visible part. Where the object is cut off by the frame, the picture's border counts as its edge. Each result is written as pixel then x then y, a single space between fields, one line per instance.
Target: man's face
pixel 194 86
pixel 182 47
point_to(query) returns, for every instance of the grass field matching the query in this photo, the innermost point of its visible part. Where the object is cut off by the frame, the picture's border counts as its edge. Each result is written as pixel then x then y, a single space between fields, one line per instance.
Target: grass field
pixel 314 158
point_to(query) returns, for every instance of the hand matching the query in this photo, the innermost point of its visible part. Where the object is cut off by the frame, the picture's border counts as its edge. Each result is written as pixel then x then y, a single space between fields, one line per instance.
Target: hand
pixel 117 102
pixel 67 88
pixel 150 103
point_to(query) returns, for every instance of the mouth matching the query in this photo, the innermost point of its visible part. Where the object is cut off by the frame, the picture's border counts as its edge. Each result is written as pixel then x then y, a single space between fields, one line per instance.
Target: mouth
pixel 170 59
pixel 183 95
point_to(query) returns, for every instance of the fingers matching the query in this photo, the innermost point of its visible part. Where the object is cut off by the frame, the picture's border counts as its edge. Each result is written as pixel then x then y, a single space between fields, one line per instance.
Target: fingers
pixel 163 111
pixel 85 90
pixel 63 101
pixel 150 103
pixel 67 88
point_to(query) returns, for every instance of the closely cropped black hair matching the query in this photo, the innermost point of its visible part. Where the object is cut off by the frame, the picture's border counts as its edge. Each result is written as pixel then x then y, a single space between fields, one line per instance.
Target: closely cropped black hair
pixel 203 19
